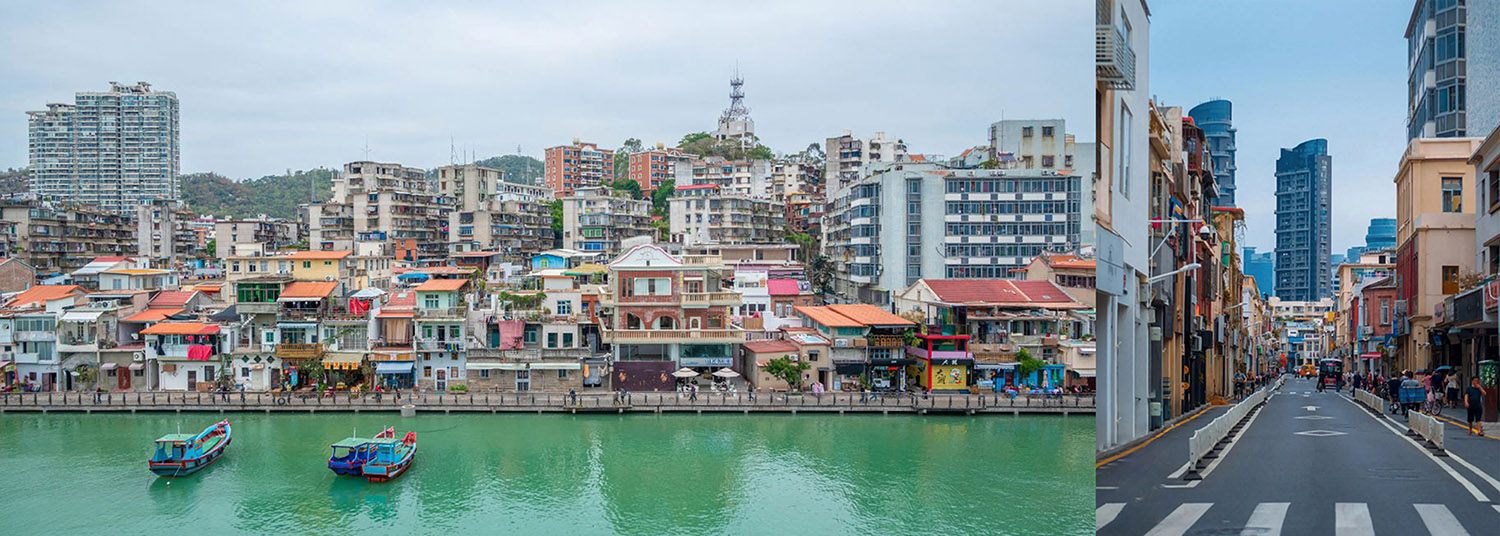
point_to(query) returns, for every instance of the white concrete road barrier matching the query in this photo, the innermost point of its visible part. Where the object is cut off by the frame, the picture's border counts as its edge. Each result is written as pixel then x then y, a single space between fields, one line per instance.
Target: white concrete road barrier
pixel 1202 444
pixel 1429 428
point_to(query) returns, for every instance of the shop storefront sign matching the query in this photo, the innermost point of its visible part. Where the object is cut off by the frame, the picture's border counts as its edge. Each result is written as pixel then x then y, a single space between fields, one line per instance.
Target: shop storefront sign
pixel 707 361
pixel 1492 294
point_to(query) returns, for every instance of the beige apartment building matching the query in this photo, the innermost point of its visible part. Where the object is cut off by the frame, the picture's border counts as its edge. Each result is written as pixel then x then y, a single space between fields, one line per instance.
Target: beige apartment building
pixel 382 202
pixel 490 214
pixel 706 214
pixel 1434 239
pixel 258 236
pixel 56 237
pixel 595 220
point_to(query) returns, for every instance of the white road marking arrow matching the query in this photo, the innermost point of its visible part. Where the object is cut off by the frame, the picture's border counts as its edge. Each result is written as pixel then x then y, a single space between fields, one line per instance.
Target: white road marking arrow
pixel 1310 408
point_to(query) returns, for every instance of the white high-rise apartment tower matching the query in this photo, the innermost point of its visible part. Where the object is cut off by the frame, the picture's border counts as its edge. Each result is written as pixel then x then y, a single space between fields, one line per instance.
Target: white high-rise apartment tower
pixel 116 149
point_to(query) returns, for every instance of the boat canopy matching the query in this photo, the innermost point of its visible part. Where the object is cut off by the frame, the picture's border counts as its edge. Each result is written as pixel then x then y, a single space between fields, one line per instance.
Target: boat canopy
pixel 396 367
pixel 351 442
pixel 175 438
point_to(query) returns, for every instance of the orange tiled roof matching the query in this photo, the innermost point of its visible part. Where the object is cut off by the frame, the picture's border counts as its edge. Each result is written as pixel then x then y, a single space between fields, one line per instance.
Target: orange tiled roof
pixel 41 294
pixel 309 289
pixel 870 315
pixel 442 285
pixel 172 298
pixel 825 316
pixel 320 255
pixel 181 328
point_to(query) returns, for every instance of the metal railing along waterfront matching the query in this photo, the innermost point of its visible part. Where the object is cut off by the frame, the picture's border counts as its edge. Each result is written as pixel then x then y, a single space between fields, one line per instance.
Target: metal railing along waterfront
pixel 1205 442
pixel 1424 426
pixel 541 401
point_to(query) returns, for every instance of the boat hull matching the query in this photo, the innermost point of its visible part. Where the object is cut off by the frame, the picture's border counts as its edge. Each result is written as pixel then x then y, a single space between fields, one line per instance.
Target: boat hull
pixel 384 473
pixel 192 465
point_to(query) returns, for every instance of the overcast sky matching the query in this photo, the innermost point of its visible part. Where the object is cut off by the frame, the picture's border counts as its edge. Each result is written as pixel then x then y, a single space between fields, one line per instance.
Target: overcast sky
pixel 1295 70
pixel 305 84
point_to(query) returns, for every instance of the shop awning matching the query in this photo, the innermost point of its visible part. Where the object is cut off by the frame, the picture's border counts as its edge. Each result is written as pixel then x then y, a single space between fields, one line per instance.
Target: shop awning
pixel 556 366
pixel 849 368
pixel 995 366
pixel 81 316
pixel 1084 372
pixel 137 366
pixel 343 360
pixel 109 366
pixel 396 367
pixel 495 366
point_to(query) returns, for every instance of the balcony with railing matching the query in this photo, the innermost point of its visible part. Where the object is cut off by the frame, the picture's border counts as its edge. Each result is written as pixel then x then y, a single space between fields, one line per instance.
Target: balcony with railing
pixel 649 336
pixel 711 298
pixel 299 351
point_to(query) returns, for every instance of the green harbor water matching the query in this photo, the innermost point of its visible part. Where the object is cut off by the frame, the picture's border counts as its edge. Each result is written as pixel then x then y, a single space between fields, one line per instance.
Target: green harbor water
pixel 552 474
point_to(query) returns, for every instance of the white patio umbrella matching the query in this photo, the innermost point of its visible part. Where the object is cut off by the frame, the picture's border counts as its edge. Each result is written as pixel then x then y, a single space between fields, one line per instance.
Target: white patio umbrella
pixel 684 372
pixel 726 373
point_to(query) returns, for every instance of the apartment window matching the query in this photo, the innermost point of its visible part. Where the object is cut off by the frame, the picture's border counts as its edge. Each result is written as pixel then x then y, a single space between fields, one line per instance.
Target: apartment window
pixel 564 307
pixel 430 301
pixel 1046 132
pixel 651 286
pixel 1385 312
pixel 1453 194
pixel 1048 161
pixel 552 340
pixel 1026 132
pixel 1494 188
pixel 484 373
pixel 427 372
pixel 1123 141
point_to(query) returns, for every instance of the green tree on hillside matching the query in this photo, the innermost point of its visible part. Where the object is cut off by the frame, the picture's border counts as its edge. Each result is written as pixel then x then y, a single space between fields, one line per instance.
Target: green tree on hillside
pixel 622 156
pixel 660 196
pixel 626 186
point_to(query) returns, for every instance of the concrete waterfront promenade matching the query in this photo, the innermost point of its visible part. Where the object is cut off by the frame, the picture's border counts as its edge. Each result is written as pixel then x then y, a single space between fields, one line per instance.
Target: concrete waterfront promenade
pixel 536 402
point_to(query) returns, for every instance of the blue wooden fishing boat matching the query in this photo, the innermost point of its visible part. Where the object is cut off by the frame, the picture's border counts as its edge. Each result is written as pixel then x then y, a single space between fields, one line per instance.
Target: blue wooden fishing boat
pixel 392 457
pixel 185 454
pixel 351 453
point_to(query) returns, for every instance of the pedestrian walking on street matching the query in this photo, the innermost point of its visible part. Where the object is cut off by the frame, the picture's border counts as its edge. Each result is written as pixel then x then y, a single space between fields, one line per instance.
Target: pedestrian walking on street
pixel 1474 398
pixel 1453 391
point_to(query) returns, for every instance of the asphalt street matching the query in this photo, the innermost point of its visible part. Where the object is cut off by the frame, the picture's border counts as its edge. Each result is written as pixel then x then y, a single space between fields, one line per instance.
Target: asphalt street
pixel 1308 463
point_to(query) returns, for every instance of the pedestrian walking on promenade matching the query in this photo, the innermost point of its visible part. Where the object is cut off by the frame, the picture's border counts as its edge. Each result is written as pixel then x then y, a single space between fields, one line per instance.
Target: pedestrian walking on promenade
pixel 693 392
pixel 864 394
pixel 242 394
pixel 1474 400
pixel 1453 391
pixel 573 396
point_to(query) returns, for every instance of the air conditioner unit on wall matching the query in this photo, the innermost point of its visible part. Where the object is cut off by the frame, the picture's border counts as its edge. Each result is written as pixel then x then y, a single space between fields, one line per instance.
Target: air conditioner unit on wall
pixel 138 356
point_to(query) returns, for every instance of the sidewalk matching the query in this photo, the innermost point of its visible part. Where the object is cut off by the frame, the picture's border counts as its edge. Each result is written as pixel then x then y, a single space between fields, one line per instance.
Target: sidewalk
pixel 1482 451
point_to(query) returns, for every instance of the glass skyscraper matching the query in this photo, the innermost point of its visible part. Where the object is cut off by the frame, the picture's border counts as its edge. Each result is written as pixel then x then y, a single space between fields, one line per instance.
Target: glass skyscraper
pixel 1215 117
pixel 1304 227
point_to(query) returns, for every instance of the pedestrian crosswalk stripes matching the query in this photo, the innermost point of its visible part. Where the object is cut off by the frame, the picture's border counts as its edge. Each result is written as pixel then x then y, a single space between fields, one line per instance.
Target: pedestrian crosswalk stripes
pixel 1180 520
pixel 1439 520
pixel 1266 520
pixel 1350 519
pixel 1106 514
